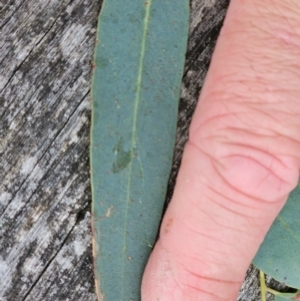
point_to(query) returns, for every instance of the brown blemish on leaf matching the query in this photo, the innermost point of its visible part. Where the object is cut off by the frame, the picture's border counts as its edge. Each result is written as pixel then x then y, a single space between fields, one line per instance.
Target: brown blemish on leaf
pixel 94 253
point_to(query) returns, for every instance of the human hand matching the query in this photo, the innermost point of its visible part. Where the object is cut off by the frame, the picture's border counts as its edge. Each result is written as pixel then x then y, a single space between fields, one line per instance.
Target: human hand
pixel 240 162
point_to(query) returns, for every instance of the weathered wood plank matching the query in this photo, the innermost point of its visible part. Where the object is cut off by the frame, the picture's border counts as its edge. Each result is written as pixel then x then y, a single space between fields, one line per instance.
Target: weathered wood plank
pixel 44 132
pixel 46 50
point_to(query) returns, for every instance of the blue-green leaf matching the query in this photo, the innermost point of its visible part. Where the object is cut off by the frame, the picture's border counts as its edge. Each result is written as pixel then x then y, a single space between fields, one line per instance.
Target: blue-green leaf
pixel 279 298
pixel 287 296
pixel 138 67
pixel 279 255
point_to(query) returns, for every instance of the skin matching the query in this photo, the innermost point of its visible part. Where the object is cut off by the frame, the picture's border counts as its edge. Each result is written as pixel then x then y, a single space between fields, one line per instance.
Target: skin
pixel 241 160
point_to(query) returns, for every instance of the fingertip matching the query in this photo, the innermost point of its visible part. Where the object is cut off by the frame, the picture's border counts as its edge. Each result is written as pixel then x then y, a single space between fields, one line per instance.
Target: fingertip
pixel 159 277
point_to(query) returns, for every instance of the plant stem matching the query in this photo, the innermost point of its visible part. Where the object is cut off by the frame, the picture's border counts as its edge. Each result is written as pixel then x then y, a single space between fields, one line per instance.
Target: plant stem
pixel 263 288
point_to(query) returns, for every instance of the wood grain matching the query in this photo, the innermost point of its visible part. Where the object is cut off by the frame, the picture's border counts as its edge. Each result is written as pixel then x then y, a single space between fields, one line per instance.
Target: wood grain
pixel 46 50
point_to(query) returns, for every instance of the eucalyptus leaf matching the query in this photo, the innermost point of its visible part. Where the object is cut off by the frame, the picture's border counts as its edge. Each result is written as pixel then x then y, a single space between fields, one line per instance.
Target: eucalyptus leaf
pixel 281 298
pixel 287 296
pixel 138 66
pixel 279 254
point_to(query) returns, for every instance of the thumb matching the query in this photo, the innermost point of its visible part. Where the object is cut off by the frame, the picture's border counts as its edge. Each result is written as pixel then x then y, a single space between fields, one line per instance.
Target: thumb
pixel 238 167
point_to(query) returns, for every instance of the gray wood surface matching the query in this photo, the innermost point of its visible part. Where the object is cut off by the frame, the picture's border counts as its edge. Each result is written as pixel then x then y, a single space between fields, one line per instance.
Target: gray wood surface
pixel 46 49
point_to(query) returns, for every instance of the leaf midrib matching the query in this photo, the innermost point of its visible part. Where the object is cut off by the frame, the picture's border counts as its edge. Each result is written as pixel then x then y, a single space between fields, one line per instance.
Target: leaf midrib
pixel 133 137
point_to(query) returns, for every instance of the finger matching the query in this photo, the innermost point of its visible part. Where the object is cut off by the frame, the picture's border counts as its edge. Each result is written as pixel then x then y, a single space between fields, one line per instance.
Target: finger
pixel 239 165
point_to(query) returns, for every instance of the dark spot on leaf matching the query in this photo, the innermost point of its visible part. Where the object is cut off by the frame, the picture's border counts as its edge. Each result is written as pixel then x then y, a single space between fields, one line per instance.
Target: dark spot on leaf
pixel 102 62
pixel 122 157
pixel 133 18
